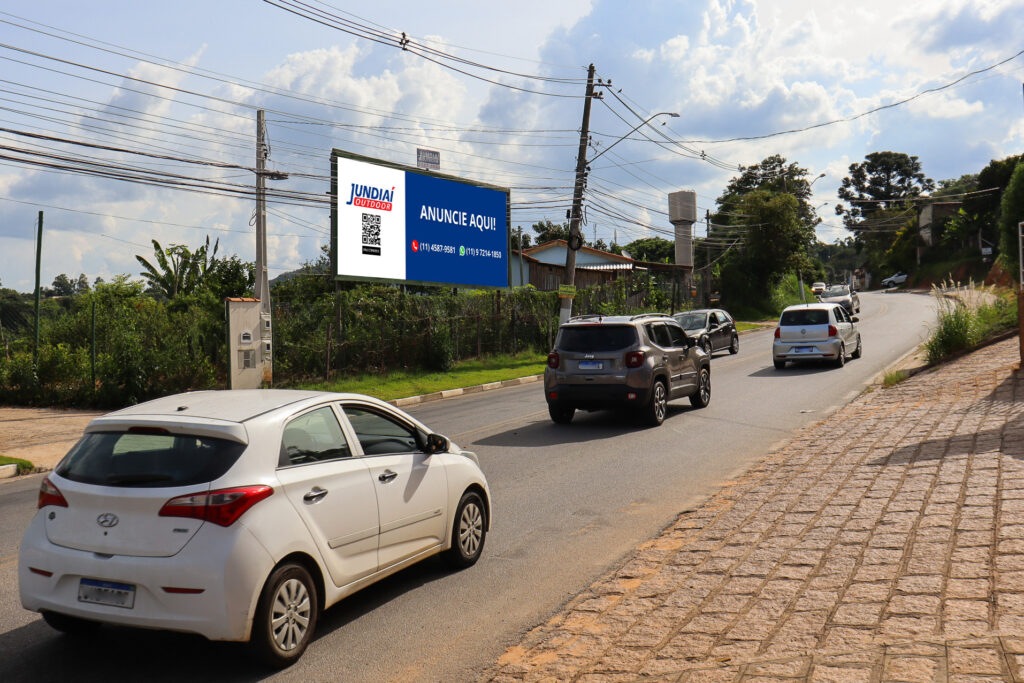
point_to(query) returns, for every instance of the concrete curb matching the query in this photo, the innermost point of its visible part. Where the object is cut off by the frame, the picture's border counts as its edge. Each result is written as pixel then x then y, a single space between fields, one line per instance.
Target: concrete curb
pixel 8 471
pixel 452 393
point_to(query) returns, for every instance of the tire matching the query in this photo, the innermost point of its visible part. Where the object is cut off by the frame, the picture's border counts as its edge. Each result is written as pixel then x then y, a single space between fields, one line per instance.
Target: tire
pixel 779 364
pixel 72 626
pixel 840 360
pixel 734 347
pixel 290 598
pixel 859 350
pixel 658 407
pixel 469 532
pixel 561 415
pixel 702 397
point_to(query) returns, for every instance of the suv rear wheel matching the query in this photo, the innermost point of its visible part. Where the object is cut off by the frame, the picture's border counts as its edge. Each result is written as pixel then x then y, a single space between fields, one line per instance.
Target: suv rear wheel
pixel 561 414
pixel 658 407
pixel 702 397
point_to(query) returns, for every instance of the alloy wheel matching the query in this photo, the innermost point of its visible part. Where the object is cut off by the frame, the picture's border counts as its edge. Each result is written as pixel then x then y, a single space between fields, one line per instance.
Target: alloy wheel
pixel 290 614
pixel 471 528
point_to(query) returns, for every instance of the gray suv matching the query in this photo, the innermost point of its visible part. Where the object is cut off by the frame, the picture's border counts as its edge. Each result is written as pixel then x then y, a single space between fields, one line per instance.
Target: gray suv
pixel 638 362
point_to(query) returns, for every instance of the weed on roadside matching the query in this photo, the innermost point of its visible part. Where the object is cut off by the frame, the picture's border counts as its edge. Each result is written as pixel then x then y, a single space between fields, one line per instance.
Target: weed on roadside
pixel 894 377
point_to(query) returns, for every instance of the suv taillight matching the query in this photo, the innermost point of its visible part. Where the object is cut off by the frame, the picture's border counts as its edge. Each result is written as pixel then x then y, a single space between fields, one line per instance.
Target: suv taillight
pixel 223 506
pixel 553 360
pixel 50 495
pixel 832 331
pixel 778 333
pixel 634 359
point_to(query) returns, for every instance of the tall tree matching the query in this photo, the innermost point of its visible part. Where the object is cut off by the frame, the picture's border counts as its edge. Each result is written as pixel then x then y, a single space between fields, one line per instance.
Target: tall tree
pixel 548 231
pixel 882 182
pixel 652 249
pixel 63 285
pixel 772 174
pixel 178 269
pixel 1010 214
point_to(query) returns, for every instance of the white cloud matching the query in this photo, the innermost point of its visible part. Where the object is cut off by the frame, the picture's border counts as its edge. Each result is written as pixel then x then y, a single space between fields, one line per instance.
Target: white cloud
pixel 675 49
pixel 643 55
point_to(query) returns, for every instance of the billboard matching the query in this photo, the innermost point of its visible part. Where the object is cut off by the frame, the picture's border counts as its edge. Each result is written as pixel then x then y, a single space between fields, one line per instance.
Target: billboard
pixel 393 223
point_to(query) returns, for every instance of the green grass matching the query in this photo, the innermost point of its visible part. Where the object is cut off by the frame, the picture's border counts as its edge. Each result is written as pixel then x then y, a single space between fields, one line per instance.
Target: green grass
pixel 743 327
pixel 894 377
pixel 23 465
pixel 400 384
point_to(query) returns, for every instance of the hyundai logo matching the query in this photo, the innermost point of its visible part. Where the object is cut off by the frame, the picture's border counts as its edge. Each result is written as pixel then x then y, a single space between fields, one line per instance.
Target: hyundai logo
pixel 107 520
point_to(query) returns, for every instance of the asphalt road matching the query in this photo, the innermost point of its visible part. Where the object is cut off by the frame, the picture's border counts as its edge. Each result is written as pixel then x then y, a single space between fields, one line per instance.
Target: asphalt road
pixel 569 502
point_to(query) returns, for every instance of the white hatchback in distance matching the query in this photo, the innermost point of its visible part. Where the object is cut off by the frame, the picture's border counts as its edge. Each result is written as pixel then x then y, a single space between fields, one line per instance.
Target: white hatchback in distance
pixel 816 332
pixel 241 515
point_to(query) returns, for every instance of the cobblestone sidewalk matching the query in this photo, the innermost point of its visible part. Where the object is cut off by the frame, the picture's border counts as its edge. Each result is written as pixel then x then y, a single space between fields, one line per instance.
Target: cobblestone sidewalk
pixel 885 543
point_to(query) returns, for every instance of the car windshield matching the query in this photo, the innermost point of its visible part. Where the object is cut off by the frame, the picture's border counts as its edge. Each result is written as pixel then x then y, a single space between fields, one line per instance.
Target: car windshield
pixel 692 321
pixel 596 337
pixel 148 459
pixel 805 316
pixel 837 291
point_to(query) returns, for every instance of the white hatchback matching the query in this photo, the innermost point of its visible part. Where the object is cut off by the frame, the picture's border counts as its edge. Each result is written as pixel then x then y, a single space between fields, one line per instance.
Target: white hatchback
pixel 822 331
pixel 241 515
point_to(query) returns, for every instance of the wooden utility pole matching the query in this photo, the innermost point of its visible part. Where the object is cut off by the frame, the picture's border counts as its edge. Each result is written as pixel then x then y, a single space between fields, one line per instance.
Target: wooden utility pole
pixel 576 216
pixel 39 260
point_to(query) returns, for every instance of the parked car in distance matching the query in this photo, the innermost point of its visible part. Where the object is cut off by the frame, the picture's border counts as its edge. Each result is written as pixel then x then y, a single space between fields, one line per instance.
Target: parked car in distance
pixel 637 363
pixel 818 288
pixel 894 279
pixel 821 331
pixel 843 295
pixel 240 515
pixel 713 328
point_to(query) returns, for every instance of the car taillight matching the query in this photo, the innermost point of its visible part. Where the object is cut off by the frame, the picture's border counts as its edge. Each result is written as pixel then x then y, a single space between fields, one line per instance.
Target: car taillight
pixel 778 333
pixel 222 507
pixel 634 359
pixel 832 331
pixel 50 495
pixel 553 360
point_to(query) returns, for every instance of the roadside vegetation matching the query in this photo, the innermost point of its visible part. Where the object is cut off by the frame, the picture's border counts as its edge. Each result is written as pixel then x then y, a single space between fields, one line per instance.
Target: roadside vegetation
pixel 402 383
pixel 967 316
pixel 24 466
pixel 894 377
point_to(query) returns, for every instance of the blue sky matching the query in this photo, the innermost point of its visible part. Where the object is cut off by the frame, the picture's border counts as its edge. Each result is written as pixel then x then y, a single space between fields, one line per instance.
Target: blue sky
pixel 730 69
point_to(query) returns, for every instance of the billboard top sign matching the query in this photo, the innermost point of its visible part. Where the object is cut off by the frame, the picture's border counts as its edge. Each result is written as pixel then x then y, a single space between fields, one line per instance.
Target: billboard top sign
pixel 393 223
pixel 428 159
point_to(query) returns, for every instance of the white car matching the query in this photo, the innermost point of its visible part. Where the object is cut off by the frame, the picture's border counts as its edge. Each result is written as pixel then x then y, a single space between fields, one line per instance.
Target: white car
pixel 240 515
pixel 895 279
pixel 816 332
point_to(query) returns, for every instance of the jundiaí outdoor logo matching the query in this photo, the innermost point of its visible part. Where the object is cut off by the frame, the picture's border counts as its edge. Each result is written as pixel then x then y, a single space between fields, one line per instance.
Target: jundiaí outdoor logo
pixel 370 197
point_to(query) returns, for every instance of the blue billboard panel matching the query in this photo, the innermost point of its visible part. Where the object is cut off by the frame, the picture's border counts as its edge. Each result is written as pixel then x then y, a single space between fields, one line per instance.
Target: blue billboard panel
pixel 455 233
pixel 399 225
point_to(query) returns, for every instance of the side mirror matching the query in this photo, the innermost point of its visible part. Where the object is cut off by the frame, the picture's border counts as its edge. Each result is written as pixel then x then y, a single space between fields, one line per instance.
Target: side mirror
pixel 855 319
pixel 436 444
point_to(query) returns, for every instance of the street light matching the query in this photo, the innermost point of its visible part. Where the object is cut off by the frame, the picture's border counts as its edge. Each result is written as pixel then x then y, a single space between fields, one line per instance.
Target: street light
pixel 816 180
pixel 642 123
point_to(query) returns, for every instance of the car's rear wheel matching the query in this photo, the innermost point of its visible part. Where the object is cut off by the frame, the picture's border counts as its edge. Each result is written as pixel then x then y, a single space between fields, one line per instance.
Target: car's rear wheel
pixel 734 347
pixel 68 624
pixel 286 616
pixel 840 360
pixel 859 350
pixel 658 407
pixel 561 414
pixel 702 396
pixel 779 364
pixel 469 531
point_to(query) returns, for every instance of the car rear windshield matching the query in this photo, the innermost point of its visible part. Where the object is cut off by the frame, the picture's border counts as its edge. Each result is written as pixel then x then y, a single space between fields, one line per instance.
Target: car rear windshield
pixel 805 316
pixel 596 338
pixel 148 460
pixel 836 291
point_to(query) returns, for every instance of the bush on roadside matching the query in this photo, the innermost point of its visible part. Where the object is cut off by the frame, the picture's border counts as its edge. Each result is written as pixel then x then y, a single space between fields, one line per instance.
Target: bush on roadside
pixel 967 315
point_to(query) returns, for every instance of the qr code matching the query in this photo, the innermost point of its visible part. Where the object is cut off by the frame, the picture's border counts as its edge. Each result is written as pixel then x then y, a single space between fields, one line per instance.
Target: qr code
pixel 371 229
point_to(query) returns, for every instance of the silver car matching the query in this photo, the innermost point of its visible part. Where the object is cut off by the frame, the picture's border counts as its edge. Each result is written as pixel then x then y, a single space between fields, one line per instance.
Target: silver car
pixel 816 332
pixel 843 295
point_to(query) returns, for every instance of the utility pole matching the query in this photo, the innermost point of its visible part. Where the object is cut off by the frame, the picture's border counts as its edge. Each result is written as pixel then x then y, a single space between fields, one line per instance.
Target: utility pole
pixel 39 260
pixel 262 284
pixel 520 232
pixel 576 216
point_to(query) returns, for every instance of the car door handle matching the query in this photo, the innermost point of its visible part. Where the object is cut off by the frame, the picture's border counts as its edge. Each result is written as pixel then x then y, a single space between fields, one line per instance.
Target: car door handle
pixel 387 475
pixel 315 494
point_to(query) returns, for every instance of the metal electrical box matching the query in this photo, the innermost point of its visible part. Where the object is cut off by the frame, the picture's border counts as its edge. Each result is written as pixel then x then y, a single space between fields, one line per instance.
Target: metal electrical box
pixel 248 348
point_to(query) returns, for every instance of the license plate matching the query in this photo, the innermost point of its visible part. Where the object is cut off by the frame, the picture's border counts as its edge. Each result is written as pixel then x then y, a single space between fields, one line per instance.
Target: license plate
pixel 591 365
pixel 106 593
pixel 805 349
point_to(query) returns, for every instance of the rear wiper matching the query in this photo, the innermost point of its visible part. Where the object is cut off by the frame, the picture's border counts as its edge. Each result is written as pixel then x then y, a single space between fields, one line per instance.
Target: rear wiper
pixel 137 478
